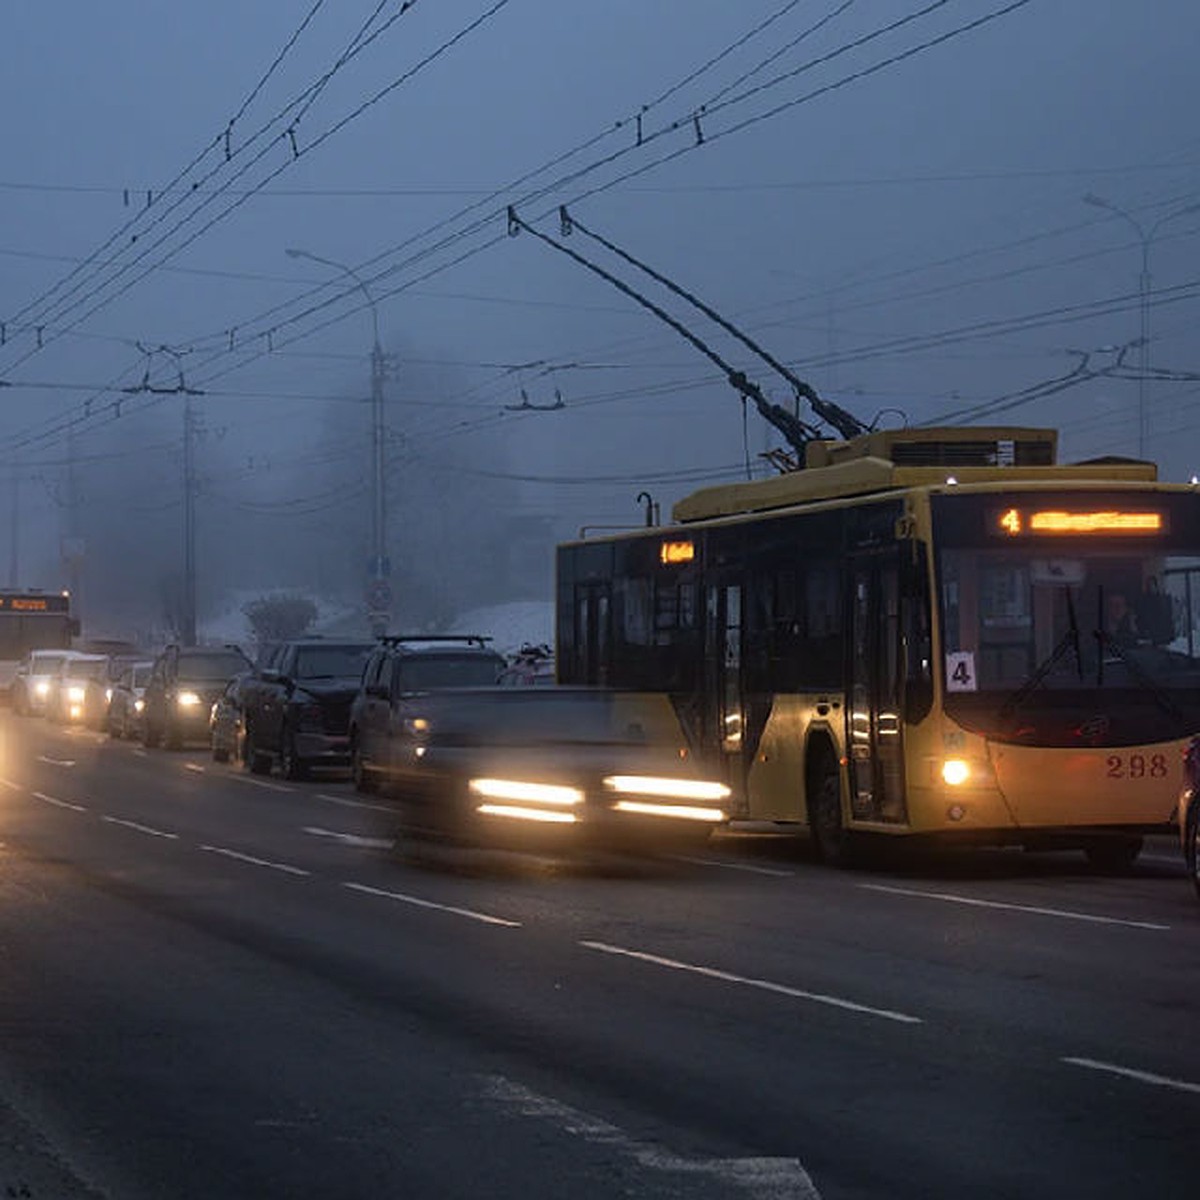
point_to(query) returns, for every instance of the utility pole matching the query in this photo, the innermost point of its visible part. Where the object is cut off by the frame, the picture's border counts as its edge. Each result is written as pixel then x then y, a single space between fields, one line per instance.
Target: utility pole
pixel 1146 236
pixel 378 589
pixel 188 630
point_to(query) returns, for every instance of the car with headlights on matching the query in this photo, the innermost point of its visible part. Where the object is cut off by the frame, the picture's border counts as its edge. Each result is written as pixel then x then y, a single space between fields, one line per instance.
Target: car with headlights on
pixel 127 703
pixel 1189 813
pixel 78 693
pixel 31 685
pixel 557 768
pixel 183 684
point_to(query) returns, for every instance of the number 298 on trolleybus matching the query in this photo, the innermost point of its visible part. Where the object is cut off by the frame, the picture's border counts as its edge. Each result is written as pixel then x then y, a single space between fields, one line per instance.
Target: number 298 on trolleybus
pixel 933 632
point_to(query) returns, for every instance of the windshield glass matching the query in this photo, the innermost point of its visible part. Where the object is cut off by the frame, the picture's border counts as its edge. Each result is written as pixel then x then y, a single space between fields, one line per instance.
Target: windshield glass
pixel 213 667
pixel 1073 623
pixel 141 675
pixel 325 662
pixel 46 664
pixel 86 669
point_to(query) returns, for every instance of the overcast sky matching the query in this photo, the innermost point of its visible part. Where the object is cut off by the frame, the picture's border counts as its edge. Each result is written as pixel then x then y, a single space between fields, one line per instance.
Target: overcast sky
pixel 910 236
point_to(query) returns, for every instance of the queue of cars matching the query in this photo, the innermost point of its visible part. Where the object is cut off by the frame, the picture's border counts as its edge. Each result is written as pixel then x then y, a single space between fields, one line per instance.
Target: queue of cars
pixel 468 744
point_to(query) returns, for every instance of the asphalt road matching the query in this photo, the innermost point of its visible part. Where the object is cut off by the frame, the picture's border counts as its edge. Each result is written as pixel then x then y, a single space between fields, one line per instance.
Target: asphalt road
pixel 220 985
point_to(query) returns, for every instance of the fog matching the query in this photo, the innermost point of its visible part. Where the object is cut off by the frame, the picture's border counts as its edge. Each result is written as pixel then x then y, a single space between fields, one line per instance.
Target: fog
pixel 888 195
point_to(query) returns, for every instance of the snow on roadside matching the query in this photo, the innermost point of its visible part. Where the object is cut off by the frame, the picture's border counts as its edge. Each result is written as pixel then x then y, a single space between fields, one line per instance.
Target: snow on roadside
pixel 510 626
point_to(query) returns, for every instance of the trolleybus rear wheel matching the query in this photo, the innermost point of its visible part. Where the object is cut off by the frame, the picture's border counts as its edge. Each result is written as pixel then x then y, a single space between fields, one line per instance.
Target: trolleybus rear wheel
pixel 1113 855
pixel 1191 846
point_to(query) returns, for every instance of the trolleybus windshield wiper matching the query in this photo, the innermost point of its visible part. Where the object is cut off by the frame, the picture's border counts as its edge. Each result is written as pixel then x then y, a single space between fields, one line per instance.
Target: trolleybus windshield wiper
pixel 1068 641
pixel 1105 641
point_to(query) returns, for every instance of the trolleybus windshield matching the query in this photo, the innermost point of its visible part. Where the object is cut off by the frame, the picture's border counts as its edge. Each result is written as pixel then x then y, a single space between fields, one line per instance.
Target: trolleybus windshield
pixel 1060 609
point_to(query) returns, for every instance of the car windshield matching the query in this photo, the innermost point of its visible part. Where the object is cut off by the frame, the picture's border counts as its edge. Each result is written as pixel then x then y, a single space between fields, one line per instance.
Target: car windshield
pixel 213 667
pixel 141 675
pixel 86 669
pixel 330 662
pixel 46 664
pixel 450 671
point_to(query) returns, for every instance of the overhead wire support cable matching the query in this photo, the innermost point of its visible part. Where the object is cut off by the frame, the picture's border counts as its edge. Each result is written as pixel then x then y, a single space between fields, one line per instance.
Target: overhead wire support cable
pixel 797 432
pixel 844 422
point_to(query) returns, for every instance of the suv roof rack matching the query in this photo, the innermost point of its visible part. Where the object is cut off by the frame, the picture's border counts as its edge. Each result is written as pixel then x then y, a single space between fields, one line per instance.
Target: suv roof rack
pixel 394 639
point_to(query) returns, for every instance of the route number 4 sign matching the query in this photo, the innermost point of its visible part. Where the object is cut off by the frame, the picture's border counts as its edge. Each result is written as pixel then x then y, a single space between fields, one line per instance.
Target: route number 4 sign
pixel 960 671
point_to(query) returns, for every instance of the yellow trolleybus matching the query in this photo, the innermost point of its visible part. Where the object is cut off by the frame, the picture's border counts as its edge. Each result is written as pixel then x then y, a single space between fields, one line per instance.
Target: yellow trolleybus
pixel 934 632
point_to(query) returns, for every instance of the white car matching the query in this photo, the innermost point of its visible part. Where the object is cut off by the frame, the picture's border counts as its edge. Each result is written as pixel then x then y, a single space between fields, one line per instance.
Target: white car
pixel 31 687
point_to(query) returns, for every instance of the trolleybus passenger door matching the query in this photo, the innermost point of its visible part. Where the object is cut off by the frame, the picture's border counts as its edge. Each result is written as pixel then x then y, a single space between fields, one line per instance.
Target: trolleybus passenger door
pixel 725 719
pixel 591 634
pixel 874 734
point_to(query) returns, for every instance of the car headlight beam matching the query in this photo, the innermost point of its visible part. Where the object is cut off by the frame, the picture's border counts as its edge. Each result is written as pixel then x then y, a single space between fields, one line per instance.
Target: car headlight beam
pixel 526 793
pixel 673 789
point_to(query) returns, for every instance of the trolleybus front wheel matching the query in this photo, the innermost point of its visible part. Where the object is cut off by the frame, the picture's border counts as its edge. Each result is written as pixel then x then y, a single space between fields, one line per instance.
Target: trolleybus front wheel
pixel 835 845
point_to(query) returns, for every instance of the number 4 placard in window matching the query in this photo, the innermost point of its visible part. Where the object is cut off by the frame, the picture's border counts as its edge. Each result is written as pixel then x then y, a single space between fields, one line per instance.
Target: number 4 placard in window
pixel 960 671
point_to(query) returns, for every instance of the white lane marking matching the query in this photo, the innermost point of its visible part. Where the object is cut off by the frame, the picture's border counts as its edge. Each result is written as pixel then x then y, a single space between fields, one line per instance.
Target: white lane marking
pixel 773 1178
pixel 257 862
pixel 193 767
pixel 1169 860
pixel 14 787
pixel 349 839
pixel 1065 914
pixel 763 984
pixel 1180 1085
pixel 262 783
pixel 56 762
pixel 139 753
pixel 347 803
pixel 59 803
pixel 140 828
pixel 486 918
pixel 729 866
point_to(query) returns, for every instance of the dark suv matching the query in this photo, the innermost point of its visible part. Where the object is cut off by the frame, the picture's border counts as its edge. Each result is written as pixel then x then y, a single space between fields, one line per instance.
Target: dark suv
pixel 297 707
pixel 398 668
pixel 179 695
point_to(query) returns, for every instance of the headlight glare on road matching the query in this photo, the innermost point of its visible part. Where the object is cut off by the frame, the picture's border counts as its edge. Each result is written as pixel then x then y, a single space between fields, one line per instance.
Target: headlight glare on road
pixel 187 699
pixel 527 793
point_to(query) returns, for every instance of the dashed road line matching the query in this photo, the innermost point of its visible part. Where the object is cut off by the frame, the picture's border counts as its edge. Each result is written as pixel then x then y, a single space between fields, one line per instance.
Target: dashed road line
pixel 12 787
pixel 1036 910
pixel 731 866
pixel 418 902
pixel 773 1178
pixel 159 833
pixel 59 803
pixel 346 802
pixel 193 767
pixel 262 783
pixel 762 984
pixel 56 762
pixel 349 839
pixel 256 862
pixel 1091 1064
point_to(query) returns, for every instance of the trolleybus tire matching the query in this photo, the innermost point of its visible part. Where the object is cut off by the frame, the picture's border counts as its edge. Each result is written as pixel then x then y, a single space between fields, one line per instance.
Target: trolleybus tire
pixel 1113 855
pixel 220 754
pixel 835 845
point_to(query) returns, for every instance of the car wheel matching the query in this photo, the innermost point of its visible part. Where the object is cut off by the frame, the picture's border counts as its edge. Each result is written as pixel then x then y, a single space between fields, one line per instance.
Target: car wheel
pixel 220 754
pixel 1112 855
pixel 1191 844
pixel 172 739
pixel 257 763
pixel 291 764
pixel 150 734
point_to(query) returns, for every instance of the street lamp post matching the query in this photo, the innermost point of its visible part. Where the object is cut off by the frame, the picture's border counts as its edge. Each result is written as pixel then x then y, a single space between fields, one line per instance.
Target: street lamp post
pixel 1146 236
pixel 378 590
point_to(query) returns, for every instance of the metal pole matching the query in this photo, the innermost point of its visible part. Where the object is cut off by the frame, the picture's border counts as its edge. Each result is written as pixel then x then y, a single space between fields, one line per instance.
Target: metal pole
pixel 188 632
pixel 14 530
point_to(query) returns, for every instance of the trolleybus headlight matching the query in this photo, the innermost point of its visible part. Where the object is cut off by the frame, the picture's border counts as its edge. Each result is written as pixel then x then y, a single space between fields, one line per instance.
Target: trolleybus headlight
pixel 76 694
pixel 526 793
pixel 187 699
pixel 42 687
pixel 956 771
